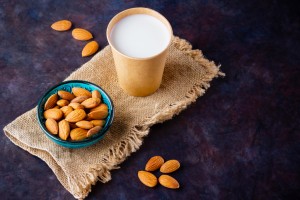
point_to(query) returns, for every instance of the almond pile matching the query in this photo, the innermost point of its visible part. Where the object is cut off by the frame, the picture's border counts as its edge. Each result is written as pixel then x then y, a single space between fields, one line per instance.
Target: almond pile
pixel 75 116
pixel 157 162
pixel 78 34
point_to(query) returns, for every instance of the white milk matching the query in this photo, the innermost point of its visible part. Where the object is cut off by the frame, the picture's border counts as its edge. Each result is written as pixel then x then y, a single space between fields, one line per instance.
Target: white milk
pixel 140 36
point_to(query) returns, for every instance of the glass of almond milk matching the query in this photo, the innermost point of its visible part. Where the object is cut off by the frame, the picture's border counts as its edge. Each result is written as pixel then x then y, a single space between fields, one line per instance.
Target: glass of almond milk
pixel 139 39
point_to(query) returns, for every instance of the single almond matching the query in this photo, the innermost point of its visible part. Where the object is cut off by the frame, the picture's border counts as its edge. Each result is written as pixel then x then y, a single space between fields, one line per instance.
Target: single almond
pixel 78 134
pixel 84 124
pixel 98 122
pixel 64 129
pixel 65 95
pixel 79 99
pixel 76 115
pixel 61 25
pixel 51 102
pixel 51 126
pixel 81 92
pixel 93 131
pixel 53 113
pixel 81 34
pixel 101 114
pixel 168 182
pixel 102 107
pixel 89 49
pixel 76 106
pixel 154 163
pixel 66 110
pixel 91 103
pixel 147 178
pixel 62 102
pixel 170 166
pixel 96 94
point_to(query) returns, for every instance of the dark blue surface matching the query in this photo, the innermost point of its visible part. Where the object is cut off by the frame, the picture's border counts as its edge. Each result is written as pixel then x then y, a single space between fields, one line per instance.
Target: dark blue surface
pixel 239 141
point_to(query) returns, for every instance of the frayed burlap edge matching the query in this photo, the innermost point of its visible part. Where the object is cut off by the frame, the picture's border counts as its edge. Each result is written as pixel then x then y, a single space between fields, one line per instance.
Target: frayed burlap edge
pixel 131 143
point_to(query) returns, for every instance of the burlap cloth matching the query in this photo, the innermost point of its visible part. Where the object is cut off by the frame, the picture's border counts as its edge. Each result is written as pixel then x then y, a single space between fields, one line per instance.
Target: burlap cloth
pixel 187 75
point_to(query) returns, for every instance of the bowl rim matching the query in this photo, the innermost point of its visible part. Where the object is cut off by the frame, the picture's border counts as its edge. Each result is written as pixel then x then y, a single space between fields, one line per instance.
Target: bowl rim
pixel 87 140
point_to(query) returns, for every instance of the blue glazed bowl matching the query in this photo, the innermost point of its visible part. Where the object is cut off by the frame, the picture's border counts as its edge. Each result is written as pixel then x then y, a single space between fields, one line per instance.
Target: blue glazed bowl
pixel 67 86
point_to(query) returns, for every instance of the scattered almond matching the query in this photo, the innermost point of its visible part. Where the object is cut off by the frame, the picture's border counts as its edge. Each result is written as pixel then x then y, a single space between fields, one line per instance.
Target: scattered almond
pixel 81 92
pixel 147 178
pixel 89 49
pixel 62 102
pixel 93 131
pixel 64 129
pixel 51 126
pixel 168 182
pixel 65 95
pixel 81 34
pixel 78 134
pixel 76 115
pixel 53 113
pixel 51 102
pixel 61 25
pixel 170 166
pixel 154 163
pixel 79 99
pixel 84 124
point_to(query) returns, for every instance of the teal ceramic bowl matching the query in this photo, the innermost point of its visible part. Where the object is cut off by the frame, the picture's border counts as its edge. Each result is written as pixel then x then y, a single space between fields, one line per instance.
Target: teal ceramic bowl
pixel 67 86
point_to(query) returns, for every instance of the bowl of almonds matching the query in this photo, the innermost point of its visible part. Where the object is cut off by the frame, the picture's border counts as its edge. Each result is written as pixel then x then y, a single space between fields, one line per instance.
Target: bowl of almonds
pixel 75 114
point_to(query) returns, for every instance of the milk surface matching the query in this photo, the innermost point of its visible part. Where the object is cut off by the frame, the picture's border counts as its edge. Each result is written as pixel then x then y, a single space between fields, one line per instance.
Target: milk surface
pixel 140 36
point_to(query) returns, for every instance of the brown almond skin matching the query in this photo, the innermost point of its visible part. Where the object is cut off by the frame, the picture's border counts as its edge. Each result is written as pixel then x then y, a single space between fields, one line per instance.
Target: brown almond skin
pixel 98 122
pixel 98 114
pixel 81 92
pixel 64 129
pixel 81 34
pixel 51 102
pixel 61 25
pixel 76 106
pixel 90 48
pixel 52 126
pixel 66 110
pixel 84 124
pixel 147 178
pixel 168 182
pixel 170 166
pixel 76 115
pixel 93 131
pixel 154 163
pixel 78 134
pixel 79 99
pixel 62 102
pixel 96 94
pixel 53 113
pixel 91 103
pixel 102 106
pixel 65 95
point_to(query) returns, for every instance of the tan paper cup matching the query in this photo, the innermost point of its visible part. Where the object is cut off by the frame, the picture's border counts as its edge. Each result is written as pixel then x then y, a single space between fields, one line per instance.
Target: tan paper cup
pixel 139 76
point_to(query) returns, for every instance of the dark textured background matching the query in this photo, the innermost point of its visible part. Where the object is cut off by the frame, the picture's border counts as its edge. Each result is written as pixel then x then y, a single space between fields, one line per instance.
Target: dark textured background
pixel 239 141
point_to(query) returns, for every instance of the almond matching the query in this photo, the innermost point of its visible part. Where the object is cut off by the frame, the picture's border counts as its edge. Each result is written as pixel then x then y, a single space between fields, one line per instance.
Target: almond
pixel 64 129
pixel 58 107
pixel 51 102
pixel 53 113
pixel 84 124
pixel 101 114
pixel 93 131
pixel 98 122
pixel 73 125
pixel 91 103
pixel 76 106
pixel 51 126
pixel 65 95
pixel 154 163
pixel 81 34
pixel 78 134
pixel 66 110
pixel 62 25
pixel 170 166
pixel 102 107
pixel 81 92
pixel 76 115
pixel 147 178
pixel 62 102
pixel 168 182
pixel 89 49
pixel 96 94
pixel 79 99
